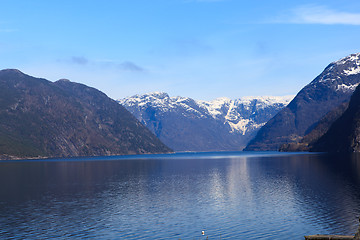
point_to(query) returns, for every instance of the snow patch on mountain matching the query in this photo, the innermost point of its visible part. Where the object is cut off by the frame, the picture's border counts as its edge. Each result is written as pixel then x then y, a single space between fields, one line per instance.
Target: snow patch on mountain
pixel 241 126
pixel 243 115
pixel 344 87
pixel 332 76
pixel 352 70
pixel 348 59
pixel 350 64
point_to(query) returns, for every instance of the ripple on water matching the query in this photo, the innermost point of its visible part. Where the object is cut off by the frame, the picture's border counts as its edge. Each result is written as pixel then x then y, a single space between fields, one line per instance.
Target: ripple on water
pixel 235 197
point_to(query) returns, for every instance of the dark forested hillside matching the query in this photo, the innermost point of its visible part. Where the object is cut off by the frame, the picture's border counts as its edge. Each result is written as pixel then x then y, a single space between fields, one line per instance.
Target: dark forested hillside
pixel 39 118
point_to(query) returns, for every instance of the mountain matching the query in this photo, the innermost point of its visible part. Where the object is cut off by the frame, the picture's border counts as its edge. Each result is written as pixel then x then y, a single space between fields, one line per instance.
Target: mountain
pixel 39 118
pixel 331 88
pixel 344 134
pixel 307 142
pixel 185 124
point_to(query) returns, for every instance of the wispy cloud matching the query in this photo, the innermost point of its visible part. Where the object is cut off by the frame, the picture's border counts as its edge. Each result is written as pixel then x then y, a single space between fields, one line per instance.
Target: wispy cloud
pixel 7 30
pixel 315 14
pixel 124 66
pixel 80 60
pixel 130 66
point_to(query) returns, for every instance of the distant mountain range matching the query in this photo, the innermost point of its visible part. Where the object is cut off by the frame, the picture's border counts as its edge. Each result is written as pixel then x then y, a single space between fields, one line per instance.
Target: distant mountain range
pixel 185 124
pixel 313 111
pixel 39 118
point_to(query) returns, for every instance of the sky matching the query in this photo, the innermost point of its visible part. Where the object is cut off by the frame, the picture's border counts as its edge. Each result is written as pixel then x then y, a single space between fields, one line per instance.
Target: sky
pixel 203 49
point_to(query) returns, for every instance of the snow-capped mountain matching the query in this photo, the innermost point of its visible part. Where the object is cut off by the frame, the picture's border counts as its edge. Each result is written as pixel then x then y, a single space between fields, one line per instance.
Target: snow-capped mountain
pixel 339 75
pixel 332 87
pixel 185 124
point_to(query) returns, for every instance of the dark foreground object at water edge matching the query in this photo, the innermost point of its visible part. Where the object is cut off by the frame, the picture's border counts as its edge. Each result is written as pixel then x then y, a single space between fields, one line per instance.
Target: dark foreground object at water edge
pixel 329 237
pixel 334 237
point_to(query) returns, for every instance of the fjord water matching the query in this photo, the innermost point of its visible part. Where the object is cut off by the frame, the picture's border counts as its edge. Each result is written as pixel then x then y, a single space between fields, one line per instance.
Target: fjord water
pixel 232 195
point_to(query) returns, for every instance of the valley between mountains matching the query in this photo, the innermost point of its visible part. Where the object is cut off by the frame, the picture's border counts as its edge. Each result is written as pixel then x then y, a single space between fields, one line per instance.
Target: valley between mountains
pixel 44 119
pixel 260 123
pixel 185 124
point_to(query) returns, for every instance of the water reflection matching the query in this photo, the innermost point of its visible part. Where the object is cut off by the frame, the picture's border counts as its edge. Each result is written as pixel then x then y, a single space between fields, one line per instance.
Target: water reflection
pixel 326 189
pixel 229 195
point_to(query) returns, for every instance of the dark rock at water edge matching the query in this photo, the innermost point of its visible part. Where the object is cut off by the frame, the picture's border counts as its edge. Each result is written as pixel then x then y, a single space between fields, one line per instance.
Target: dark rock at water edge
pixel 329 237
pixel 39 118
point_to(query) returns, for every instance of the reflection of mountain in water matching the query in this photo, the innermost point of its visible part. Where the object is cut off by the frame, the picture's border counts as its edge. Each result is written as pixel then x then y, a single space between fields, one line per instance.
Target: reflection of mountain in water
pixel 232 195
pixel 325 187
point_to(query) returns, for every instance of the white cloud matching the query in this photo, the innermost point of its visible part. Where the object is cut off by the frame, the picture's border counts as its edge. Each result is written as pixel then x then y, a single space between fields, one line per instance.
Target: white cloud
pixel 315 14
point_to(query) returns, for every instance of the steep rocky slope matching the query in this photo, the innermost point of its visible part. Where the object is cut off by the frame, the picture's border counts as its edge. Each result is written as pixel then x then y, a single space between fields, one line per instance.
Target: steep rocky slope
pixel 185 124
pixel 331 88
pixel 306 143
pixel 39 118
pixel 344 133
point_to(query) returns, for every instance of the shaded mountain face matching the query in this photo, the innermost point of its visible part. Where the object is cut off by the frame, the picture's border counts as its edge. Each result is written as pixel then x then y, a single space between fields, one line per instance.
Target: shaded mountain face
pixel 308 141
pixel 344 133
pixel 185 124
pixel 40 118
pixel 331 88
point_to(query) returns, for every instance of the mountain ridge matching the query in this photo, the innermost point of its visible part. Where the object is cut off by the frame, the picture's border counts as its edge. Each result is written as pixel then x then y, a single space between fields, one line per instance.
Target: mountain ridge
pixel 328 90
pixel 343 134
pixel 221 124
pixel 40 118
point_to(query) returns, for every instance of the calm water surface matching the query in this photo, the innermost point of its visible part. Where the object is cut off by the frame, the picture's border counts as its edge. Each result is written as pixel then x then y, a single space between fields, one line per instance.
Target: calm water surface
pixel 227 195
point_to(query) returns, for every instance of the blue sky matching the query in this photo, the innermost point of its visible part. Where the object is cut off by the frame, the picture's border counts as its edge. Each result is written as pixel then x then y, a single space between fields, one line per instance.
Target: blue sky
pixel 202 49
